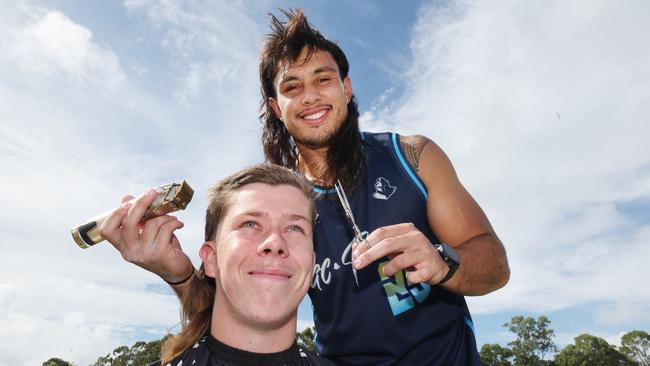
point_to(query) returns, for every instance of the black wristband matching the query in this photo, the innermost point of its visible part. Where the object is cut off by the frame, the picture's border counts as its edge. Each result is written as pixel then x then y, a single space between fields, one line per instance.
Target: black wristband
pixel 449 256
pixel 182 281
pixel 447 276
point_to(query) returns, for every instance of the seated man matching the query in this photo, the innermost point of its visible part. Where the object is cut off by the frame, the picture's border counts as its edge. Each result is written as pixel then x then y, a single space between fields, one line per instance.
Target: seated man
pixel 240 307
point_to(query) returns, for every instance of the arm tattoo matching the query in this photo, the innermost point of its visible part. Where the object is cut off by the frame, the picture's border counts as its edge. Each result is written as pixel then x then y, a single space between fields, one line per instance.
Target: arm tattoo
pixel 412 147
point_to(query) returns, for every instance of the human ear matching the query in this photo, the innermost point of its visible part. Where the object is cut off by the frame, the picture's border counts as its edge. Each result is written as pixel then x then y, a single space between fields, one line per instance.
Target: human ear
pixel 275 108
pixel 208 254
pixel 347 87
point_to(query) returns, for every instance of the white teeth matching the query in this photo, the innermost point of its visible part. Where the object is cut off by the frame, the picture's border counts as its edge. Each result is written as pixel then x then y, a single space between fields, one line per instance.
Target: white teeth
pixel 315 116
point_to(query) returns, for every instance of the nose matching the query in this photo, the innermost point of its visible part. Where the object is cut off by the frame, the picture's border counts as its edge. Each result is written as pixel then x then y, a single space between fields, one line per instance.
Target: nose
pixel 274 244
pixel 310 95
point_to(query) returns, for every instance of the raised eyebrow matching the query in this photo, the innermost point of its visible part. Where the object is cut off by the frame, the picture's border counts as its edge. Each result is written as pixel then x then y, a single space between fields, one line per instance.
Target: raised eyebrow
pixel 299 218
pixel 253 213
pixel 325 69
pixel 288 79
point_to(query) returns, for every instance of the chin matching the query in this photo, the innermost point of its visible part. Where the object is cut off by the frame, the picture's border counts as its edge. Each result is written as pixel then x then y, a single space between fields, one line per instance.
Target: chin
pixel 317 142
pixel 271 319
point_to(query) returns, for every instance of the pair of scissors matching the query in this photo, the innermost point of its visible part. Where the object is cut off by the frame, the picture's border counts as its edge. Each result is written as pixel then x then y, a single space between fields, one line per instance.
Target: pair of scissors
pixel 358 236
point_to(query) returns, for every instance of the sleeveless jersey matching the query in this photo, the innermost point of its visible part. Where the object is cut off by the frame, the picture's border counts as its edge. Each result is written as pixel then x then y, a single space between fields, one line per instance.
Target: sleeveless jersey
pixel 363 317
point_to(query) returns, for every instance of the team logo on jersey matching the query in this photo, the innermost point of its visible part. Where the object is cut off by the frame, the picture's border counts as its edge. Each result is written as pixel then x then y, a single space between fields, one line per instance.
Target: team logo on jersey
pixel 383 189
pixel 401 294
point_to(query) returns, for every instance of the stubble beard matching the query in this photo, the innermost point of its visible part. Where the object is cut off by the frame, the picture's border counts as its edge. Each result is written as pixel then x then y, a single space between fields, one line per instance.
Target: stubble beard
pixel 316 142
pixel 323 139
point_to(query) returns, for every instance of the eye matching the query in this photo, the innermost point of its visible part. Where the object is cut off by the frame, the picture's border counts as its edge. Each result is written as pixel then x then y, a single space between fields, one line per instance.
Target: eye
pixel 296 228
pixel 323 80
pixel 250 224
pixel 290 88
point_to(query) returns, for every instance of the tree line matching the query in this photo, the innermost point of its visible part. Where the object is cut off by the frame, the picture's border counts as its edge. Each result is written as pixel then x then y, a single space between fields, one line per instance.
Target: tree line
pixel 533 346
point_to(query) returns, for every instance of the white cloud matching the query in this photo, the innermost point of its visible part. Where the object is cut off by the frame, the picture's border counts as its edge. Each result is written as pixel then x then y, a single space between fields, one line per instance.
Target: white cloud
pixel 80 125
pixel 76 321
pixel 625 313
pixel 78 129
pixel 52 45
pixel 212 52
pixel 543 110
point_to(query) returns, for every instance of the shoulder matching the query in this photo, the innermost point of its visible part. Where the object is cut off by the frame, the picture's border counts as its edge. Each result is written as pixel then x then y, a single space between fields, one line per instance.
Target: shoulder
pixel 415 147
pixel 428 159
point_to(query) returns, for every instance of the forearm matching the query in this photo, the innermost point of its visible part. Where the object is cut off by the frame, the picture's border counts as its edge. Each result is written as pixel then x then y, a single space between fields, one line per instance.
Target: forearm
pixel 483 266
pixel 181 287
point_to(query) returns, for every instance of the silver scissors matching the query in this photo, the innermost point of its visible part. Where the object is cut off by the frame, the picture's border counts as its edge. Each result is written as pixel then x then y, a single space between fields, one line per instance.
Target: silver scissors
pixel 358 236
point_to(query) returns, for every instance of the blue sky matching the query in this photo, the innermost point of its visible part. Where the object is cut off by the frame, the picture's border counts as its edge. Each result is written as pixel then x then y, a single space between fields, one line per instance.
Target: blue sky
pixel 542 107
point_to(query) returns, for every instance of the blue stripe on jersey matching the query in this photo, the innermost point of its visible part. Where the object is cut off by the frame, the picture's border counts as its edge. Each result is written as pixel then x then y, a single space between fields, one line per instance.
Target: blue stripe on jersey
pixel 406 166
pixel 470 324
pixel 323 191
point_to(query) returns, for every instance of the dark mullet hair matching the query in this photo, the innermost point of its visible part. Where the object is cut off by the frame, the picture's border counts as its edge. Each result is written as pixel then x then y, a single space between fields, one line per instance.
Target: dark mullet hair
pixel 285 42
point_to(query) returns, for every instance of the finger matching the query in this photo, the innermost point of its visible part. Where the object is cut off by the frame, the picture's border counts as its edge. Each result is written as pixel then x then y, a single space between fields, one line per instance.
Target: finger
pixel 127 198
pixel 412 240
pixel 130 230
pixel 426 275
pixel 166 233
pixel 382 233
pixel 410 261
pixel 140 251
pixel 173 261
pixel 152 226
pixel 386 247
pixel 110 228
pixel 390 230
pixel 361 247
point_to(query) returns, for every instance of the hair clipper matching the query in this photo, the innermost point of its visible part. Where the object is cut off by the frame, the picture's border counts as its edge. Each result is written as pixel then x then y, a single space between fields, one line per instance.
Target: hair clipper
pixel 171 197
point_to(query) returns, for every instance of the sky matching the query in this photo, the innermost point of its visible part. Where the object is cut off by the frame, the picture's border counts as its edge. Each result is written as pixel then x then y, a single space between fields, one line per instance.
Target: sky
pixel 541 106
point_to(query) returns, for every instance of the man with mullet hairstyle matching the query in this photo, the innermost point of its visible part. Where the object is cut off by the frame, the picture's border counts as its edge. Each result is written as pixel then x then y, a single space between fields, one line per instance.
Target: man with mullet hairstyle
pixel 396 295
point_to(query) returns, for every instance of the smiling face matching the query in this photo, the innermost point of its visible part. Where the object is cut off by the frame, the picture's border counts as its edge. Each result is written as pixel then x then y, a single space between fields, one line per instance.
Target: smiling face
pixel 262 257
pixel 311 98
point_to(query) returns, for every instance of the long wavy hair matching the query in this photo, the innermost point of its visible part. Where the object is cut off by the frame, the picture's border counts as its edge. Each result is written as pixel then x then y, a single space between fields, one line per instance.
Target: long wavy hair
pixel 284 43
pixel 197 302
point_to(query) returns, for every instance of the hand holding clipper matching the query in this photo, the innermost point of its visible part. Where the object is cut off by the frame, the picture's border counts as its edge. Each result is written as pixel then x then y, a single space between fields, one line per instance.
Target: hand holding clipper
pixel 171 197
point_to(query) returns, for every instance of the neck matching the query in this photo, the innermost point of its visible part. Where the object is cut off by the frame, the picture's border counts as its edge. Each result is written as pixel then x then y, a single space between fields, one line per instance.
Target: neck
pixel 313 164
pixel 249 335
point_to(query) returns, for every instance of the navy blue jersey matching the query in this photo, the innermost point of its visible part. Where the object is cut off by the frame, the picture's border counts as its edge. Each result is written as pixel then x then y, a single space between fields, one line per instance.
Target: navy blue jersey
pixel 363 317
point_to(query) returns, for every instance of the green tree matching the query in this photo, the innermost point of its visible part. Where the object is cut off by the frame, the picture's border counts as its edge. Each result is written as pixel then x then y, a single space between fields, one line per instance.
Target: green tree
pixel 141 353
pixel 494 355
pixel 589 350
pixel 55 361
pixel 534 340
pixel 636 346
pixel 305 339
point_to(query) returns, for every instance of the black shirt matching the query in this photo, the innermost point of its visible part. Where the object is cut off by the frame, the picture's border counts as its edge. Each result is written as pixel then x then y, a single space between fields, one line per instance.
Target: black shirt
pixel 208 351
